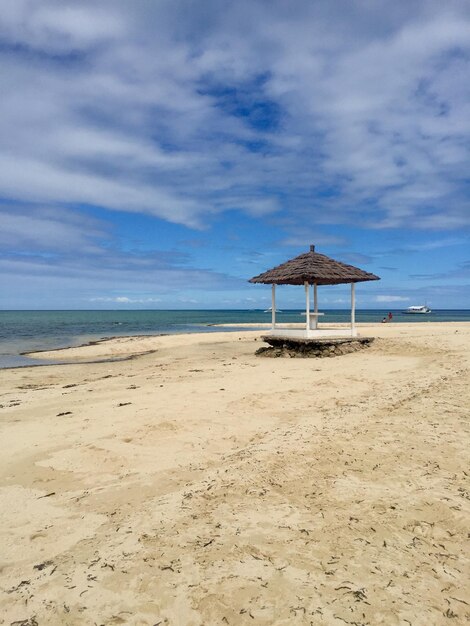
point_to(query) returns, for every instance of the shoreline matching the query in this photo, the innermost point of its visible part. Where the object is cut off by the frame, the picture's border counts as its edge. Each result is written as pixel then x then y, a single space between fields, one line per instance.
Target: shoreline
pixel 94 342
pixel 105 360
pixel 44 354
pixel 18 353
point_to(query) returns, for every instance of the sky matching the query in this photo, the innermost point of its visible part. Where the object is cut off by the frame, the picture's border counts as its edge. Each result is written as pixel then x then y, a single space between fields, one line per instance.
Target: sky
pixel 159 153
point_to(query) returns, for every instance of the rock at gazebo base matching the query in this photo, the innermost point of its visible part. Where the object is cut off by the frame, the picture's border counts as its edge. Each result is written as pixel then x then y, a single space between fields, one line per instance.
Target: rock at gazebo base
pixel 292 347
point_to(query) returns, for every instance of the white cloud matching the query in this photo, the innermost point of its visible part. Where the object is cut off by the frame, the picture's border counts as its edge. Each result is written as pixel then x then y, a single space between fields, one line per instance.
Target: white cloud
pixel 391 298
pixel 57 27
pixel 126 300
pixel 134 107
pixel 49 230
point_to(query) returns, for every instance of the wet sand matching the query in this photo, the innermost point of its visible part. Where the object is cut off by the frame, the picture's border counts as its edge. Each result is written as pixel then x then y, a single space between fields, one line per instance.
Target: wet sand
pixel 200 484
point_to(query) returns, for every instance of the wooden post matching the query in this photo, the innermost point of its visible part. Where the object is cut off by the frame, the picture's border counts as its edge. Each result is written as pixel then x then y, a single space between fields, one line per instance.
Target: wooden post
pixel 353 309
pixel 273 306
pixel 307 306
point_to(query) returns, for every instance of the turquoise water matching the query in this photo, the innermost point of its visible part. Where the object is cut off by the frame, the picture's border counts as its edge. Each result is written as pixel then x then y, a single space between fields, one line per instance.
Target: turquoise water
pixel 25 331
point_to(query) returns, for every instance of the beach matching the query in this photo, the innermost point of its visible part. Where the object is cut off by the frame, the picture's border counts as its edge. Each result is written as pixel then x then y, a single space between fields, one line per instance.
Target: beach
pixel 184 480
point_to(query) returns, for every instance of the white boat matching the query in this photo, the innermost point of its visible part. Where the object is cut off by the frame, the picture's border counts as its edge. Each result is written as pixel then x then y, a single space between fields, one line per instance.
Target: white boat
pixel 417 309
pixel 271 309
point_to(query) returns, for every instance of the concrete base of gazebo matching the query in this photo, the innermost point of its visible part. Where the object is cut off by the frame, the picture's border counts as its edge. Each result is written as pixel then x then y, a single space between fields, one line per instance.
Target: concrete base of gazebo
pixel 312 333
pixel 289 346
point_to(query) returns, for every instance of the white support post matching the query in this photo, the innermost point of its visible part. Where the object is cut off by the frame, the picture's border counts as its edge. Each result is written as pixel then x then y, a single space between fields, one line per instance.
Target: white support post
pixel 315 298
pixel 273 306
pixel 353 309
pixel 307 307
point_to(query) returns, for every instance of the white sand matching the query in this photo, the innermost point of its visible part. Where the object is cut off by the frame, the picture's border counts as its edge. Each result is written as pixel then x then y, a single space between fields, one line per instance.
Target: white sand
pixel 200 484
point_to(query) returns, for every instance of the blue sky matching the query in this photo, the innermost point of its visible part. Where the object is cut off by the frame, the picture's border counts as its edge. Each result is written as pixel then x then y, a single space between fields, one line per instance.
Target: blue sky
pixel 159 154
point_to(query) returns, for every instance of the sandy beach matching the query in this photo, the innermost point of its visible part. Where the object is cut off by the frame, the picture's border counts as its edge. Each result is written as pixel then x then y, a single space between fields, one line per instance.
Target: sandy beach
pixel 197 483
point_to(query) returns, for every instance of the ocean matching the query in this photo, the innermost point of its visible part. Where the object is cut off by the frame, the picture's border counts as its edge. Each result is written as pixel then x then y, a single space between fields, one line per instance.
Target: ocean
pixel 27 331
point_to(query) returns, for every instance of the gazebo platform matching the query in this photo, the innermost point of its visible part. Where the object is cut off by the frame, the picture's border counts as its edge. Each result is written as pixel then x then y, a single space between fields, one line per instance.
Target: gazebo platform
pixel 312 333
pixel 288 346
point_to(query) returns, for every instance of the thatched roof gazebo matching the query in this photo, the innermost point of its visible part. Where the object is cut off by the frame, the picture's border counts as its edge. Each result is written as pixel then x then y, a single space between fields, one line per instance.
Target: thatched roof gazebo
pixel 312 268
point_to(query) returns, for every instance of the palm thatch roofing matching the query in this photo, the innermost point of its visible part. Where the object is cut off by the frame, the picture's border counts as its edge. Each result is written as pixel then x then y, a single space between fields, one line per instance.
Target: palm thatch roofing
pixel 313 267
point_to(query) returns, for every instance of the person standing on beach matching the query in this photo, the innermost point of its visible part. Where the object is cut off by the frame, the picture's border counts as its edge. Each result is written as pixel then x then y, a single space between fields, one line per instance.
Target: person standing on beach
pixel 390 316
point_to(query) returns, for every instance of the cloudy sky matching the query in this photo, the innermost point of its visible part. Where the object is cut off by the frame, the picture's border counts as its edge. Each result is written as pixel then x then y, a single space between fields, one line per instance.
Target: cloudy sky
pixel 157 153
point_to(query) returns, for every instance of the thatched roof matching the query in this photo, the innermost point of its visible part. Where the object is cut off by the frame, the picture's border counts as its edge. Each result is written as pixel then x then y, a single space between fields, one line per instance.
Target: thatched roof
pixel 313 267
